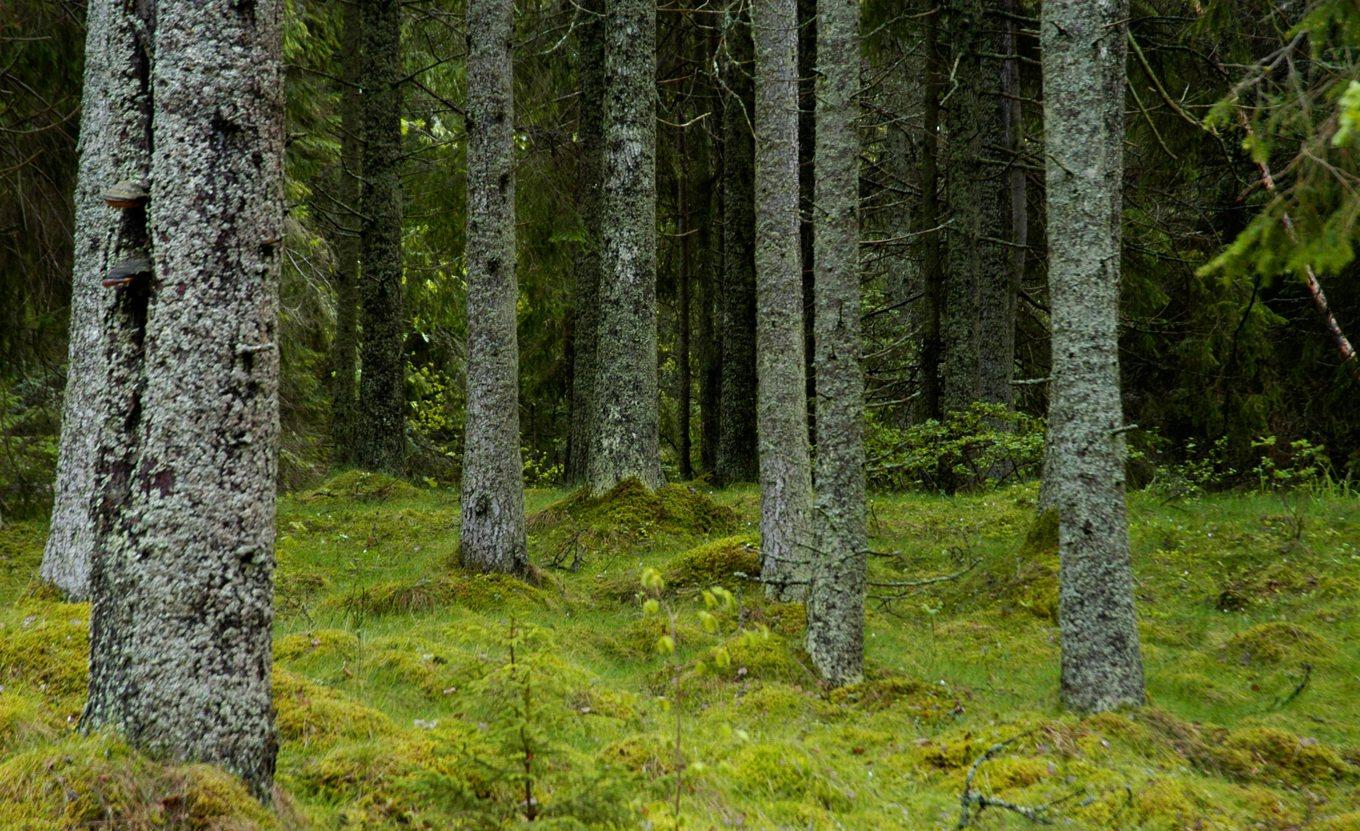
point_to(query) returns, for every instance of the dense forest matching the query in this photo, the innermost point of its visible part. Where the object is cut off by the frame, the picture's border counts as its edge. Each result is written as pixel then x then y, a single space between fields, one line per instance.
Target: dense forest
pixel 714 414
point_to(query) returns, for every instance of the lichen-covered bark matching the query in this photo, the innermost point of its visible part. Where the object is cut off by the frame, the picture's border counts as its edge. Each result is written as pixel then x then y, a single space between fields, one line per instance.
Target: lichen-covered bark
pixel 349 189
pixel 183 587
pixel 115 146
pixel 381 433
pixel 492 537
pixel 1084 78
pixel 737 449
pixel 785 465
pixel 807 141
pixel 835 627
pixel 625 441
pixel 590 164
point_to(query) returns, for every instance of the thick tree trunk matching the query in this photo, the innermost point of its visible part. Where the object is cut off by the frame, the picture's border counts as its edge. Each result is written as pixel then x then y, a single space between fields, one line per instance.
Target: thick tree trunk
pixel 345 345
pixel 785 465
pixel 835 634
pixel 115 146
pixel 183 588
pixel 590 137
pixel 625 441
pixel 1084 79
pixel 493 471
pixel 737 452
pixel 382 383
pixel 807 142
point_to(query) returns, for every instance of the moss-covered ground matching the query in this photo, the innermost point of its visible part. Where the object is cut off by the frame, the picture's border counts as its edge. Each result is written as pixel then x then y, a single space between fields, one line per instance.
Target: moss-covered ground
pixel 401 706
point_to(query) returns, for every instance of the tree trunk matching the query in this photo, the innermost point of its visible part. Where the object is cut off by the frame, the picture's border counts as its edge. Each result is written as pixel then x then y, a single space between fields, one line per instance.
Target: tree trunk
pixel 710 346
pixel 785 466
pixel 345 345
pixel 590 136
pixel 737 453
pixel 835 634
pixel 382 385
pixel 807 142
pixel 684 376
pixel 932 263
pixel 183 588
pixel 626 435
pixel 493 471
pixel 1084 79
pixel 115 146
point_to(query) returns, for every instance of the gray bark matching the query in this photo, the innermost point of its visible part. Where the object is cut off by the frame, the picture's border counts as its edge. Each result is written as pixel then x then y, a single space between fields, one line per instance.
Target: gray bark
pixel 493 470
pixel 807 141
pixel 785 465
pixel 626 436
pixel 180 634
pixel 590 137
pixel 1084 78
pixel 115 146
pixel 737 447
pixel 835 626
pixel 345 345
pixel 381 431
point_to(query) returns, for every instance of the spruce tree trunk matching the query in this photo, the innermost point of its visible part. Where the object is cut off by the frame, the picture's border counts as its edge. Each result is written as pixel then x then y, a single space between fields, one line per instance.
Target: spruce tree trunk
pixel 590 136
pixel 345 345
pixel 493 470
pixel 807 142
pixel 183 587
pixel 1084 79
pixel 115 146
pixel 683 314
pixel 785 465
pixel 835 627
pixel 710 347
pixel 928 223
pixel 737 451
pixel 626 432
pixel 381 441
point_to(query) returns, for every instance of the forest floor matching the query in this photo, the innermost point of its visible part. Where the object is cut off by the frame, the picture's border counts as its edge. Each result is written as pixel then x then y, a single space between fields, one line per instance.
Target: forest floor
pixel 408 691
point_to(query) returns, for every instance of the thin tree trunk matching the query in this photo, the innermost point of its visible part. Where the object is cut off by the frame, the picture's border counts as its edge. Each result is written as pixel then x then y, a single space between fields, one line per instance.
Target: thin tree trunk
pixel 492 537
pixel 737 451
pixel 683 316
pixel 626 435
pixel 835 627
pixel 1084 52
pixel 115 146
pixel 710 346
pixel 932 263
pixel 785 465
pixel 382 385
pixel 345 346
pixel 590 135
pixel 183 589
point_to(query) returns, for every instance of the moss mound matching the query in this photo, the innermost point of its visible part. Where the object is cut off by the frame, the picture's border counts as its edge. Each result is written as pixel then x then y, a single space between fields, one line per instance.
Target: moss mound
pixel 478 592
pixel 308 713
pixel 97 782
pixel 321 643
pixel 46 645
pixel 1274 643
pixel 1251 754
pixel 925 702
pixel 730 562
pixel 624 518
pixel 361 486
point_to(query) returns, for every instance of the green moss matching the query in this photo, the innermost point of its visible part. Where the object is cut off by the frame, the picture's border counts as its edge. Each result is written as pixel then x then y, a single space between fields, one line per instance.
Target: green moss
pixel 1270 754
pixel 361 486
pixel 1274 643
pixel 310 714
pixel 731 562
pixel 22 722
pixel 1041 540
pixel 757 654
pixel 478 592
pixel 1341 822
pixel 929 702
pixel 46 645
pixel 319 643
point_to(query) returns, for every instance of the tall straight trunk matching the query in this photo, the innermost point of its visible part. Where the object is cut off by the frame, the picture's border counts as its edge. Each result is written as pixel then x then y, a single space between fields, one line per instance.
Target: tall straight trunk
pixel 492 536
pixel 966 190
pixel 115 146
pixel 381 441
pixel 590 163
pixel 183 588
pixel 785 464
pixel 807 141
pixel 1002 264
pixel 932 263
pixel 835 627
pixel 710 346
pixel 737 452
pixel 626 436
pixel 1084 52
pixel 345 345
pixel 683 314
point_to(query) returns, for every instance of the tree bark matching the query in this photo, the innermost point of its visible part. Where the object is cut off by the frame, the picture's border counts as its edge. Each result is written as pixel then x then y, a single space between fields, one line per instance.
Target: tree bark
pixel 590 137
pixel 684 374
pixel 835 627
pixel 1084 51
pixel 492 537
pixel 180 632
pixel 807 142
pixel 785 464
pixel 115 146
pixel 626 440
pixel 932 262
pixel 737 449
pixel 345 345
pixel 710 345
pixel 382 383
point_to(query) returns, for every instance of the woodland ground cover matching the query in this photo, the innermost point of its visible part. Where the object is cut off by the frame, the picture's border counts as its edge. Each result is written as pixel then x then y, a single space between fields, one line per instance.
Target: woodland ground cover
pixel 408 691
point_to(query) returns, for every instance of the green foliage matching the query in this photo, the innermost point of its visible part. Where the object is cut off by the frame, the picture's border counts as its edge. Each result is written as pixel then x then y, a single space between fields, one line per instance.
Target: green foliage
pixel 29 413
pixel 983 445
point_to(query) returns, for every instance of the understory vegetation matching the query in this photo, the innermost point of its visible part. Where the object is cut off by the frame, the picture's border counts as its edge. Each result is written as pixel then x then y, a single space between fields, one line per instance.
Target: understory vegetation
pixel 411 694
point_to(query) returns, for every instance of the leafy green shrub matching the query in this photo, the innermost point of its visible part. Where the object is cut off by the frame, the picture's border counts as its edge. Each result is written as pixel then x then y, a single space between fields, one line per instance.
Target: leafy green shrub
pixel 985 444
